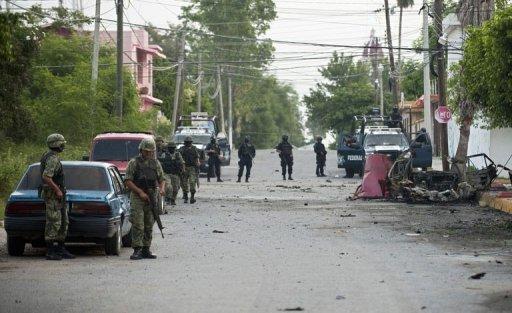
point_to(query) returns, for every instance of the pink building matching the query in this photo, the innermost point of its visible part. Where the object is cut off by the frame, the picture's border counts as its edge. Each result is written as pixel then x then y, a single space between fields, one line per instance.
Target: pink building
pixel 138 56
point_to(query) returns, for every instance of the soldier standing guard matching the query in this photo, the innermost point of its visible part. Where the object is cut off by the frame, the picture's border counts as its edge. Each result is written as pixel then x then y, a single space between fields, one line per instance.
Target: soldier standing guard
pixel 190 155
pixel 246 153
pixel 284 148
pixel 53 192
pixel 321 154
pixel 160 146
pixel 213 151
pixel 173 166
pixel 143 175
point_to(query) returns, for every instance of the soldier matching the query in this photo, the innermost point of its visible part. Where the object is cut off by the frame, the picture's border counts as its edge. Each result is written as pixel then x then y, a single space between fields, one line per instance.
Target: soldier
pixel 190 155
pixel 160 146
pixel 143 175
pixel 173 166
pixel 53 192
pixel 321 154
pixel 213 151
pixel 246 153
pixel 284 148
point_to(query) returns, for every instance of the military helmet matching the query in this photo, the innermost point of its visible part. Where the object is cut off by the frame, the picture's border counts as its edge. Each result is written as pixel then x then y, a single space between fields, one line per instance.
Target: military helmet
pixel 188 139
pixel 171 144
pixel 147 144
pixel 55 140
pixel 285 137
pixel 159 139
pixel 319 138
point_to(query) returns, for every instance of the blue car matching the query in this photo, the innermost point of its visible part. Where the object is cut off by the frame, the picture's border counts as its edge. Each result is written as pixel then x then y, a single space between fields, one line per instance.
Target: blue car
pixel 96 199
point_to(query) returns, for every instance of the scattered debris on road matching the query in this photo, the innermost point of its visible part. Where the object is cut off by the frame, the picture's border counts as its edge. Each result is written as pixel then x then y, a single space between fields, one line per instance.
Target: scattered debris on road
pixel 292 309
pixel 219 231
pixel 477 276
pixel 347 215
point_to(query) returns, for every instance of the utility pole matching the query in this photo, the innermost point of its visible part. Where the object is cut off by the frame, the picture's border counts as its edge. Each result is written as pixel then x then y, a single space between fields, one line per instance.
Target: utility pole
pixel 394 86
pixel 221 103
pixel 381 90
pixel 230 113
pixel 119 72
pixel 177 88
pixel 96 47
pixel 427 111
pixel 441 80
pixel 199 84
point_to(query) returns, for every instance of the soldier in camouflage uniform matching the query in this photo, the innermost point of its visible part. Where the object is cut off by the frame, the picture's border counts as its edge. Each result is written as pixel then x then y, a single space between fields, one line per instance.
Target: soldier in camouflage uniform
pixel 144 175
pixel 191 156
pixel 173 166
pixel 160 146
pixel 54 194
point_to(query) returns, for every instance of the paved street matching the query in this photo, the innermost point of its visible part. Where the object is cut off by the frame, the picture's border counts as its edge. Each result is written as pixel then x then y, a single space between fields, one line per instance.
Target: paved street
pixel 284 245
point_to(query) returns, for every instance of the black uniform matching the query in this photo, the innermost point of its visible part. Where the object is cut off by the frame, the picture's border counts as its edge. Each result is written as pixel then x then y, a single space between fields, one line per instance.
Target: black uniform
pixel 246 153
pixel 213 159
pixel 286 155
pixel 321 154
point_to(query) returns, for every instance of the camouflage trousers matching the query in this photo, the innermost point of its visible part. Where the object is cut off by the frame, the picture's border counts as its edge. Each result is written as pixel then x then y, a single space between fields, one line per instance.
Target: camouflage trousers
pixel 142 221
pixel 172 185
pixel 189 179
pixel 57 221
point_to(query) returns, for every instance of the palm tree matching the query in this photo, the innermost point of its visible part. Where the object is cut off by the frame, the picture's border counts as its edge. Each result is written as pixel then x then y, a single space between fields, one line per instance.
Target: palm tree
pixel 401 4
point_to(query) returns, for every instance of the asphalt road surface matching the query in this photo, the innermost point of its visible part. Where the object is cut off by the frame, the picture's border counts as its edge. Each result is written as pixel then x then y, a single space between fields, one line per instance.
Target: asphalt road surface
pixel 273 245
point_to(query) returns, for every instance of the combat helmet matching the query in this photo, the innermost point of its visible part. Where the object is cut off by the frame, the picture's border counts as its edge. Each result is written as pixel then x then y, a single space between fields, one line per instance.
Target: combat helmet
pixel 285 137
pixel 171 144
pixel 188 139
pixel 159 139
pixel 147 144
pixel 55 141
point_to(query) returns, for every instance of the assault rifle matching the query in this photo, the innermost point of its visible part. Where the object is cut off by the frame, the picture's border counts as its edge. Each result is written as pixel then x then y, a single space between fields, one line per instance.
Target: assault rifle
pixel 154 209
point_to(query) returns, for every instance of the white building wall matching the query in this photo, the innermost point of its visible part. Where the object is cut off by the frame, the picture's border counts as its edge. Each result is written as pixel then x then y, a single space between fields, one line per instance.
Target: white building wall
pixel 501 146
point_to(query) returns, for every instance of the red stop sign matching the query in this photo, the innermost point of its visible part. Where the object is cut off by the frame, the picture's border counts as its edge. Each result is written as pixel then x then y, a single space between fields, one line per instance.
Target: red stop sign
pixel 443 114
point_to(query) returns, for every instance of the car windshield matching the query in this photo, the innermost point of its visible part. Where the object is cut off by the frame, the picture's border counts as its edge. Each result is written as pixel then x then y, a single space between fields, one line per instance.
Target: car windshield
pixel 197 139
pixel 115 149
pixel 385 140
pixel 76 178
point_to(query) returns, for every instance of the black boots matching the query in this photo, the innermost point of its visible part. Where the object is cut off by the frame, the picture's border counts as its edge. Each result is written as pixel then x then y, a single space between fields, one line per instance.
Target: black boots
pixel 284 177
pixel 146 254
pixel 173 202
pixel 192 199
pixel 61 250
pixel 137 254
pixel 290 177
pixel 185 197
pixel 51 253
pixel 219 180
pixel 239 179
pixel 208 179
pixel 247 179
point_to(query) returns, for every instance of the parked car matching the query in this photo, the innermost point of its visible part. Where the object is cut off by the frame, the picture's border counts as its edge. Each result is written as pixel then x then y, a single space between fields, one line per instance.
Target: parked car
pixel 96 199
pixel 116 148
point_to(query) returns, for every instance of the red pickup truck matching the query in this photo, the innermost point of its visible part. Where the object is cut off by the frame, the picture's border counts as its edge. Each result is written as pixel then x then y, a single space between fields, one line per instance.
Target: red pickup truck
pixel 116 148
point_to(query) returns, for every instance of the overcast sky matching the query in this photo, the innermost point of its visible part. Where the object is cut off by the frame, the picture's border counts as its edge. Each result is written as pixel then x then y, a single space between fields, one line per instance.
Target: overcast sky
pixel 340 22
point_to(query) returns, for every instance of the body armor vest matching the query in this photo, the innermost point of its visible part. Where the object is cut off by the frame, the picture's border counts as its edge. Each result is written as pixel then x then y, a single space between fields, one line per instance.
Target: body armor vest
pixel 145 176
pixel 58 176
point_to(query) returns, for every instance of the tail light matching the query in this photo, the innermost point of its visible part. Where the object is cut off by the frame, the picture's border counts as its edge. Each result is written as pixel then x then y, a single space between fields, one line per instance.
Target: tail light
pixel 91 208
pixel 25 208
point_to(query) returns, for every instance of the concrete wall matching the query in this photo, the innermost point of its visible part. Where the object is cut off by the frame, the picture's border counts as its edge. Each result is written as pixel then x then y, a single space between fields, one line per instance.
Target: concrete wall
pixel 501 146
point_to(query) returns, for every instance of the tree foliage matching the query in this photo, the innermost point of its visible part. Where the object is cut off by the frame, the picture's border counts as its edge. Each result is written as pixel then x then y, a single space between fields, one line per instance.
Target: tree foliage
pixel 487 65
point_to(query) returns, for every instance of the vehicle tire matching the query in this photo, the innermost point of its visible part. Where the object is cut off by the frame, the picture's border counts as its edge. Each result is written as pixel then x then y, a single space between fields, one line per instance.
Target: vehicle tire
pixel 15 245
pixel 113 244
pixel 127 239
pixel 349 172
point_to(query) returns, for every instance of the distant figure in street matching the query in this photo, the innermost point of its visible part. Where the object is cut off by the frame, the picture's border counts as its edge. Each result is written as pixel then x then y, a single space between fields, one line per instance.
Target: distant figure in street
pixel 321 156
pixel 213 151
pixel 395 119
pixel 284 148
pixel 246 154
pixel 189 178
pixel 173 166
pixel 53 192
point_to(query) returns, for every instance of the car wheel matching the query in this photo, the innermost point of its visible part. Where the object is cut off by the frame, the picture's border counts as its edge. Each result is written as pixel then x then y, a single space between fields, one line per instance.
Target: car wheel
pixel 350 173
pixel 113 244
pixel 127 239
pixel 15 245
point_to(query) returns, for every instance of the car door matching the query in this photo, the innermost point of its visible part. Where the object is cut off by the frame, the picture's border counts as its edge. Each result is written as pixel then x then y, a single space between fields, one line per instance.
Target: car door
pixel 421 147
pixel 122 198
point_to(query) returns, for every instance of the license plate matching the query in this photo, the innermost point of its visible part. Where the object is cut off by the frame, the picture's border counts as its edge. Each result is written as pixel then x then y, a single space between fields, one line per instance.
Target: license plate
pixel 354 157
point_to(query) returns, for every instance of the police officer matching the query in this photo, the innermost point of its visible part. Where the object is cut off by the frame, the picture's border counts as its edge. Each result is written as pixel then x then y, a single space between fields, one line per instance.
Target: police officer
pixel 246 153
pixel 173 166
pixel 54 194
pixel 284 148
pixel 321 154
pixel 190 155
pixel 143 175
pixel 213 151
pixel 395 119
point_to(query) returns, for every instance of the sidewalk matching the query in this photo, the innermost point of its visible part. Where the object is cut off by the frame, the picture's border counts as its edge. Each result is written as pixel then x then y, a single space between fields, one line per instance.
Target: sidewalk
pixel 499 200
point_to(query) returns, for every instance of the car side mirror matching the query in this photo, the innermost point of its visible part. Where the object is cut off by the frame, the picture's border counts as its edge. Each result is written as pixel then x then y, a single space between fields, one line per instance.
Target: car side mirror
pixel 85 158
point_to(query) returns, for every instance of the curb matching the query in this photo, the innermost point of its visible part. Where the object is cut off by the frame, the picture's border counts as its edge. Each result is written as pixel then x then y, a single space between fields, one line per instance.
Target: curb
pixel 497 200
